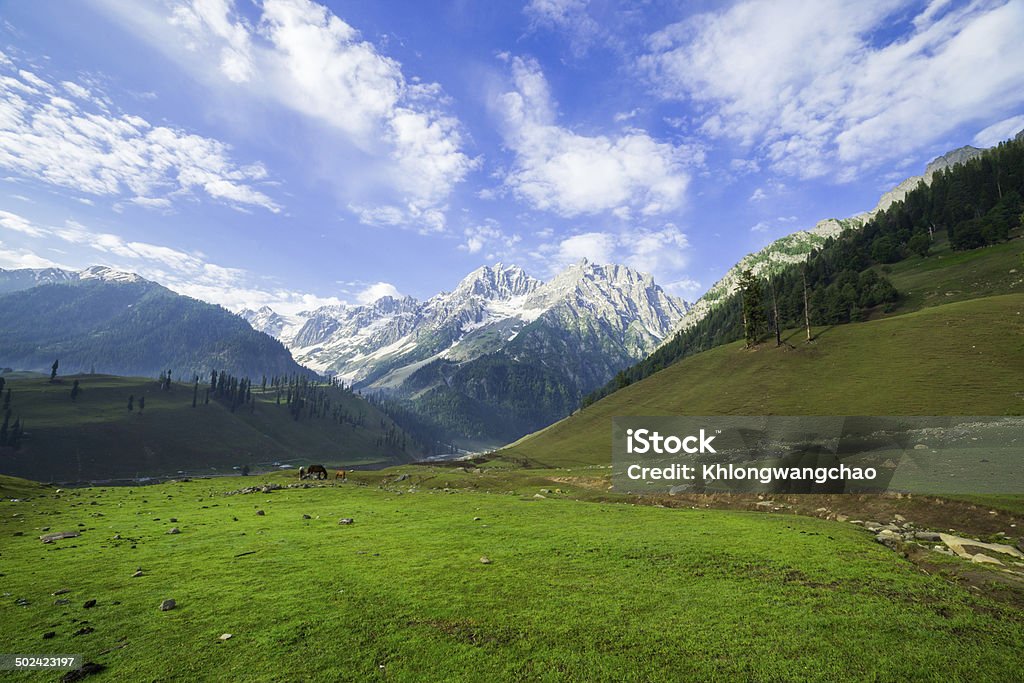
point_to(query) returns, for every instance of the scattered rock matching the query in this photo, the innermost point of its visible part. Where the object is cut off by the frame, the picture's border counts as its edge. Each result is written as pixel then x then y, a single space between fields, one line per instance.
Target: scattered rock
pixel 172 520
pixel 920 447
pixel 61 601
pixel 765 504
pixel 50 538
pixel 476 519
pixel 306 517
pixel 260 513
pixel 401 477
pixel 981 558
pixel 49 634
pixel 346 520
pixel 78 674
pixel 22 602
pixel 61 591
pixel 168 605
pixel 117 537
pixel 931 536
pixel 485 560
pixel 841 518
pixel 137 574
pixel 537 495
pixel 899 518
pixel 19 533
pixel 225 636
pixel 88 604
pixel 84 631
pixel 174 530
pixel 959 546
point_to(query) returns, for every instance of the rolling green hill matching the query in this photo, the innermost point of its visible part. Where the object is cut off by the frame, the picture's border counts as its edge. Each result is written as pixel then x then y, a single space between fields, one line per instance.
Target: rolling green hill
pixel 96 437
pixel 963 358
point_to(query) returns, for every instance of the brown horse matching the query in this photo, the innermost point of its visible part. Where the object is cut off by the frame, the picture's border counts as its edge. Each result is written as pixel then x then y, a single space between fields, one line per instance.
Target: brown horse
pixel 341 474
pixel 318 471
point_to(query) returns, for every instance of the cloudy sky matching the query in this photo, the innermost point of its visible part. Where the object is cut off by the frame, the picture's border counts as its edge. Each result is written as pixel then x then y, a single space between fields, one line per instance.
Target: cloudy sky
pixel 292 152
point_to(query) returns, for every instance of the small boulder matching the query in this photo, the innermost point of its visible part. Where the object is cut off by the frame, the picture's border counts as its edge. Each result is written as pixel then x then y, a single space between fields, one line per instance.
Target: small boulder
pixel 260 513
pixel 137 574
pixel 224 636
pixel 168 605
pixel 61 591
pixel 174 530
pixel 88 604
pixel 61 601
pixel 172 520
pixel 306 517
pixel 49 634
pixel 981 558
pixel 86 669
pixel 346 520
pixel 485 560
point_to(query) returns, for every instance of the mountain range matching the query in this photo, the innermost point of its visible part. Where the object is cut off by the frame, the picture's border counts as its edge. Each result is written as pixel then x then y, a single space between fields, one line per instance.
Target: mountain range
pixel 104 320
pixel 506 351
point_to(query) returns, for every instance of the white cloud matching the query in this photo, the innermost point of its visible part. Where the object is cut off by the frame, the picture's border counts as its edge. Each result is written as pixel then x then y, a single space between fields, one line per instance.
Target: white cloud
pixel 686 288
pixel 95 152
pixel 663 252
pixel 571 174
pixel 816 91
pixel 16 223
pixel 761 226
pixel 1000 131
pixel 376 291
pixel 593 246
pixel 13 258
pixel 185 273
pixel 491 241
pixel 758 195
pixel 569 16
pixel 398 148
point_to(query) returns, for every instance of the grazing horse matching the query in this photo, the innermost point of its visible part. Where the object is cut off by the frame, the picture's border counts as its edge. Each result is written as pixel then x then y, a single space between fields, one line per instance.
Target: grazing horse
pixel 341 474
pixel 302 473
pixel 319 471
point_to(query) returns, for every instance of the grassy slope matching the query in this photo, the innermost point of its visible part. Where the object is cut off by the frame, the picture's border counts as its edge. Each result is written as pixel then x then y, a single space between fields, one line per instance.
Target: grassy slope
pixel 576 591
pixel 96 436
pixel 954 359
pixel 945 276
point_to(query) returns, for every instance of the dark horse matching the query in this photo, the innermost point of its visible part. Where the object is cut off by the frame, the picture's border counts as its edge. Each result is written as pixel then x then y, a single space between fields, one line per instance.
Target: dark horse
pixel 318 471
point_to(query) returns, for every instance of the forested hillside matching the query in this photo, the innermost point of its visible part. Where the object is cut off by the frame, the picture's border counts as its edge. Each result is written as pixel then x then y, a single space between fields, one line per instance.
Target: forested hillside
pixel 968 206
pixel 131 328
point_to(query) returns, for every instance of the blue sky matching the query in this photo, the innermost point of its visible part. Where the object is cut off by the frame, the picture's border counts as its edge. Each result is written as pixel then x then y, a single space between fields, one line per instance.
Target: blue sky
pixel 294 153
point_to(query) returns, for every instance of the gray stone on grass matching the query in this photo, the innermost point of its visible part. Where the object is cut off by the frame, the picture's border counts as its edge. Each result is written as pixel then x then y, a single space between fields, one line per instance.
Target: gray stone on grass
pixel 167 605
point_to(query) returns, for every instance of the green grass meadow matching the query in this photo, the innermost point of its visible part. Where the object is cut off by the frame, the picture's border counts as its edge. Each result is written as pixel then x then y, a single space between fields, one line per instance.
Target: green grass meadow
pixel 577 590
pixel 962 358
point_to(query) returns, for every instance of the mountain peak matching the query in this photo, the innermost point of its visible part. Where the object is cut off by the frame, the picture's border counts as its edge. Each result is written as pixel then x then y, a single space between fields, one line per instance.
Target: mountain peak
pixel 108 274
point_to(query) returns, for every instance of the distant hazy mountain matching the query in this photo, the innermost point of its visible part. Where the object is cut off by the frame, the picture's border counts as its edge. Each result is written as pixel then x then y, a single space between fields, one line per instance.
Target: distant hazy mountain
pixel 120 323
pixel 500 355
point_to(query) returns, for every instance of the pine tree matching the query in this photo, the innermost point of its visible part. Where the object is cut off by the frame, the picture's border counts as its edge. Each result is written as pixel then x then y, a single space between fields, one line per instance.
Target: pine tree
pixel 53 370
pixel 74 390
pixel 754 319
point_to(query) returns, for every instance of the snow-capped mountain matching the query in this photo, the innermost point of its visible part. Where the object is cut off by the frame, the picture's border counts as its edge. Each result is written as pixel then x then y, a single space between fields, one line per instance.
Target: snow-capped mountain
pixel 283 327
pixel 26 278
pixel 378 343
pixel 576 331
